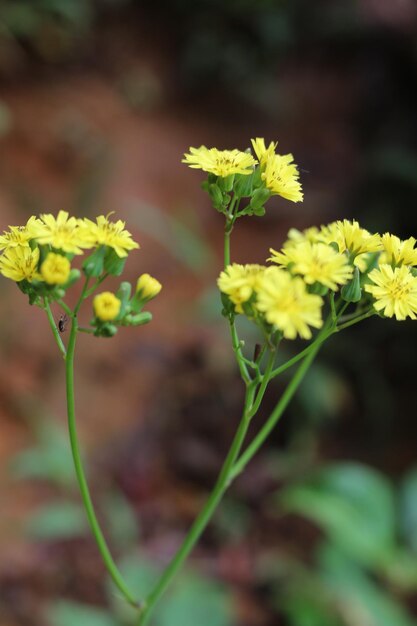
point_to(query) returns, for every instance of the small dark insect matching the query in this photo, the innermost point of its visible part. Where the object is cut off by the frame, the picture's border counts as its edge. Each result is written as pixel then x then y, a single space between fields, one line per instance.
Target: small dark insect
pixel 62 323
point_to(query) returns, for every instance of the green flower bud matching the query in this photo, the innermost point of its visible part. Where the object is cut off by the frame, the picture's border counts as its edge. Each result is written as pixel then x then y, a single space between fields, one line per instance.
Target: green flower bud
pixel 259 198
pixel 352 292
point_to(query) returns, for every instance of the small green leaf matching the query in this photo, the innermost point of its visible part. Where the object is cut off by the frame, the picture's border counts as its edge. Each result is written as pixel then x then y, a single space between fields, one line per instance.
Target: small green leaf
pixel 93 264
pixel 66 613
pixel 60 520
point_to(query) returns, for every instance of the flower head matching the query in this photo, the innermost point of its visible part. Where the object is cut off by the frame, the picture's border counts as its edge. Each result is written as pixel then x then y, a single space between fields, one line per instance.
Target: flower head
pixel 148 287
pixel 106 233
pixel 351 237
pixel 61 232
pixel 316 262
pixel 281 177
pixel 220 162
pixel 286 304
pixel 20 263
pixel 394 290
pixel 262 152
pixel 17 235
pixel 55 269
pixel 240 282
pixel 106 306
pixel 397 251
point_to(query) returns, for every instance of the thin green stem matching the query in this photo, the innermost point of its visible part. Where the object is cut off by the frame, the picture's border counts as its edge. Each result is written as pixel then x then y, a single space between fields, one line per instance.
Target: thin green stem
pixel 92 289
pixel 85 493
pixel 54 329
pixel 238 352
pixel 265 381
pixel 318 341
pixel 289 392
pixel 65 306
pixel 205 515
pixel 82 329
pixel 364 316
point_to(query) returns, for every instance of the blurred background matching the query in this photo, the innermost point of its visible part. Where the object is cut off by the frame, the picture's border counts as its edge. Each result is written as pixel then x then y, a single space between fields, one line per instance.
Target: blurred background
pixel 98 101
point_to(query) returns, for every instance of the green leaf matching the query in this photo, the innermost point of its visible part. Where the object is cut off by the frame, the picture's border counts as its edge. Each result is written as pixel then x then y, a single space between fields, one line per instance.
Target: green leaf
pixel 408 508
pixel 60 520
pixel 353 504
pixel 357 595
pixel 66 613
pixel 196 601
pixel 49 460
pixel 121 519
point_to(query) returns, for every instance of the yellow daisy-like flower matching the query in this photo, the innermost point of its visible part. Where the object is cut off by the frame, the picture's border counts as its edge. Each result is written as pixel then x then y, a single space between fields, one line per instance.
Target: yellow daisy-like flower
pixel 239 282
pixel 316 262
pixel 397 251
pixel 351 237
pixel 286 304
pixel 281 177
pixel 148 286
pixel 220 162
pixel 262 152
pixel 296 236
pixel 17 235
pixel 61 232
pixel 106 233
pixel 394 290
pixel 55 269
pixel 106 306
pixel 20 263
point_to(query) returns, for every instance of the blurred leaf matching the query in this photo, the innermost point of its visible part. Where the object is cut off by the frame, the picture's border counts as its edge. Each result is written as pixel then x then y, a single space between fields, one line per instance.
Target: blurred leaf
pixel 195 601
pixel 66 613
pixel 408 508
pixel 50 460
pixel 60 520
pixel 322 393
pixel 184 243
pixel 359 599
pixel 353 504
pixel 121 519
pixel 140 576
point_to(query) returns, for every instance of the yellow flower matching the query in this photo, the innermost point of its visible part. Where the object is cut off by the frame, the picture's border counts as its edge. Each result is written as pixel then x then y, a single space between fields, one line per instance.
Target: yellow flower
pixel 394 290
pixel 55 269
pixel 106 306
pixel 148 287
pixel 106 233
pixel 351 237
pixel 281 177
pixel 262 152
pixel 17 235
pixel 316 262
pixel 20 263
pixel 286 304
pixel 296 236
pixel 220 162
pixel 397 251
pixel 239 282
pixel 61 232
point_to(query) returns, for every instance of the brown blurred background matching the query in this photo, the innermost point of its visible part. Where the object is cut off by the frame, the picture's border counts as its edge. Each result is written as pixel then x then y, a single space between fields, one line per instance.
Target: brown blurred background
pixel 98 102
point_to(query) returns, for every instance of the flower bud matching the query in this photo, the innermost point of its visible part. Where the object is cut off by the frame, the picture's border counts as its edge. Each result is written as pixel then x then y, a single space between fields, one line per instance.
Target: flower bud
pixel 147 287
pixel 352 292
pixel 106 306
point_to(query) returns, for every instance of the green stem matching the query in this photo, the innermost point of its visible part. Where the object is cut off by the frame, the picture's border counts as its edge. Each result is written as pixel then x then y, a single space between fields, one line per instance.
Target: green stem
pixel 289 392
pixel 94 287
pixel 317 342
pixel 265 380
pixel 65 306
pixel 205 515
pixel 54 329
pixel 356 320
pixel 238 352
pixel 85 493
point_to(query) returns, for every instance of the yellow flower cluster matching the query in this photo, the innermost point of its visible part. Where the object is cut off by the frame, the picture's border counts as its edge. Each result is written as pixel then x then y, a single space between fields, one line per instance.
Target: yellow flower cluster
pixel 277 173
pixel 60 237
pixel 288 296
